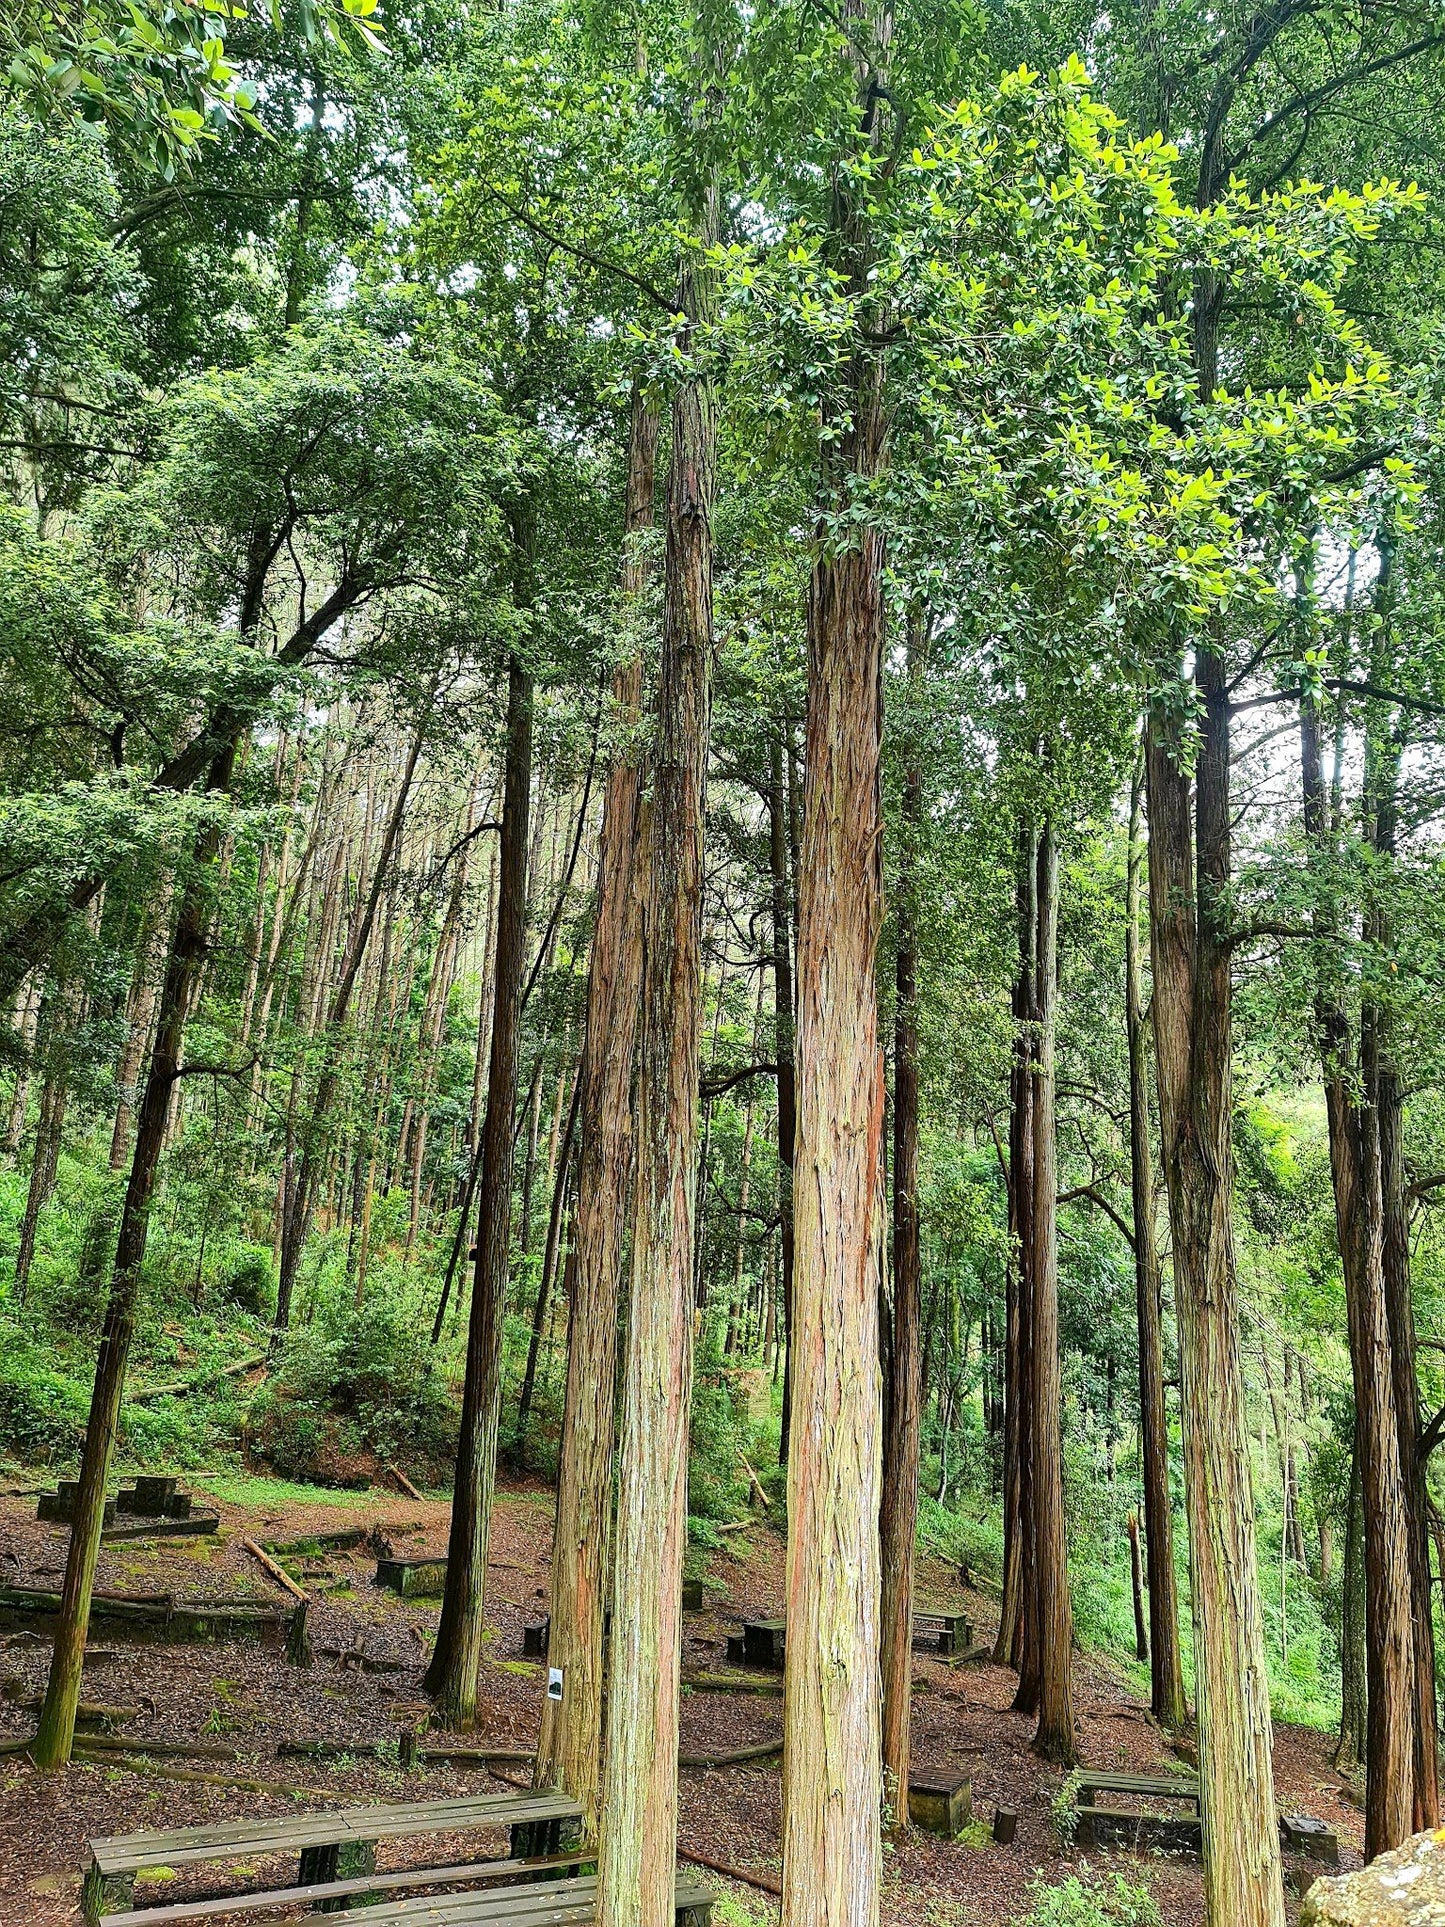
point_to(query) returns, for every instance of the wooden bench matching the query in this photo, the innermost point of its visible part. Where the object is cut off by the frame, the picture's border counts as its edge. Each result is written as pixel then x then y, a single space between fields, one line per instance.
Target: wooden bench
pixel 335 1846
pixel 946 1633
pixel 1103 1823
pixel 538 1904
pixel 765 1641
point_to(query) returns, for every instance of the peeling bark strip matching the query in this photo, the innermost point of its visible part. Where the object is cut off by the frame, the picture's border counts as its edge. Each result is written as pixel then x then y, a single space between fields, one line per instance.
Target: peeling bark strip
pixel 1243 1883
pixel 456 1659
pixel 569 1748
pixel 636 1870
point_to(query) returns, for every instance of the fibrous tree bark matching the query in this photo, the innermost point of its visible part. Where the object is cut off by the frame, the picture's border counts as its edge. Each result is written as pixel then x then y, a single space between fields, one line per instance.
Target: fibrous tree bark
pixel 832 1847
pixel 569 1745
pixel 898 1524
pixel 783 1025
pixel 637 1863
pixel 1166 1669
pixel 1189 874
pixel 1049 1608
pixel 451 1678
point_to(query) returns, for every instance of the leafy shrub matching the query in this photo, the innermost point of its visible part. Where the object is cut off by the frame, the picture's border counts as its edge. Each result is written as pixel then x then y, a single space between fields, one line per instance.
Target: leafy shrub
pixel 249 1283
pixel 1090 1900
pixel 357 1386
pixel 42 1409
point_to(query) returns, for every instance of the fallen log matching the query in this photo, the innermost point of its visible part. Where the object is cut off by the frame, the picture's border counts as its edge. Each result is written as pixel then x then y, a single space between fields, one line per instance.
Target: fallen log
pixel 732 1683
pixel 192 1777
pixel 278 1573
pixel 164 1749
pixel 404 1482
pixel 768 1752
pixel 764 1882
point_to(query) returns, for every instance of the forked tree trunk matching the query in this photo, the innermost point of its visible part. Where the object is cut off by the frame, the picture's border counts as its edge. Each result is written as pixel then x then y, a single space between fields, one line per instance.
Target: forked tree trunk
pixel 1166 1668
pixel 56 1729
pixel 569 1745
pixel 451 1678
pixel 636 1868
pixel 832 1751
pixel 898 1525
pixel 1243 1881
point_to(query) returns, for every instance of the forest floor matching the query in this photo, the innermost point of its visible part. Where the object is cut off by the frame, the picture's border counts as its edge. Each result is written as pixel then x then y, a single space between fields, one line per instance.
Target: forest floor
pixel 252 1701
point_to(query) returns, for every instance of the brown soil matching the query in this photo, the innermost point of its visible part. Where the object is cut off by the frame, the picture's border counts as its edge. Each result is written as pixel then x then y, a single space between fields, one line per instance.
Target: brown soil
pixel 251 1700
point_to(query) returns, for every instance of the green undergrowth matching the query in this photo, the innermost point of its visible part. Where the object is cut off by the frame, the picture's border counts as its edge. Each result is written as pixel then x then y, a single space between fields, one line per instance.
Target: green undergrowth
pixel 1088 1899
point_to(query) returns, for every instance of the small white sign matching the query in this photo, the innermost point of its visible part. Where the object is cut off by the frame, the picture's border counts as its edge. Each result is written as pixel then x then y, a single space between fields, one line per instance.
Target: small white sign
pixel 554 1682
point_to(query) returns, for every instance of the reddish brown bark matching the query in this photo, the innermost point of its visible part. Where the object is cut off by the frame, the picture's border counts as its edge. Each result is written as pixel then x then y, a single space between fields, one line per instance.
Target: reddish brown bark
pixel 569 1747
pixel 637 1864
pixel 903 1402
pixel 1166 1668
pixel 451 1678
pixel 1189 876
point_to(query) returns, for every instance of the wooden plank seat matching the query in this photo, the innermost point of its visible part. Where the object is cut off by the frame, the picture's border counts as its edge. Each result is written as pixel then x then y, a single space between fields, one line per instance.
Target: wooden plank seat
pixel 317 1892
pixel 553 1903
pixel 331 1846
pixel 1140 1786
pixel 538 1904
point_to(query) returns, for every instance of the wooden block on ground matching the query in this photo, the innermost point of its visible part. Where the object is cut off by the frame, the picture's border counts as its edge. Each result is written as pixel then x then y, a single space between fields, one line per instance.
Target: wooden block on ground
pixel 413 1578
pixel 737 1649
pixel 765 1642
pixel 1300 1833
pixel 1005 1826
pixel 692 1596
pixel 535 1639
pixel 940 1799
pixel 58 1508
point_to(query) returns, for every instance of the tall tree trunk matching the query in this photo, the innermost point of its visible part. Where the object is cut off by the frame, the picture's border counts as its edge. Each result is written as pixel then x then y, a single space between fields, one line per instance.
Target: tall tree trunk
pixel 56 1729
pixel 1354 1735
pixel 1188 892
pixel 898 1526
pixel 783 1022
pixel 636 1868
pixel 451 1678
pixel 1023 1647
pixel 832 1746
pixel 1166 1667
pixel 1055 1738
pixel 1384 749
pixel 1359 1218
pixel 569 1745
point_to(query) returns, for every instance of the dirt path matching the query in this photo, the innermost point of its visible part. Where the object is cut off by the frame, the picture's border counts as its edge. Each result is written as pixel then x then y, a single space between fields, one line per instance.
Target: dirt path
pixel 239 1696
